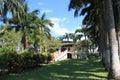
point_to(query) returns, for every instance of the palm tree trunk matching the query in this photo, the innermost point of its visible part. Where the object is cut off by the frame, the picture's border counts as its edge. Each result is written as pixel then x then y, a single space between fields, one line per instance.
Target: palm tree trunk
pixel 118 43
pixel 114 71
pixel 103 38
pixel 24 41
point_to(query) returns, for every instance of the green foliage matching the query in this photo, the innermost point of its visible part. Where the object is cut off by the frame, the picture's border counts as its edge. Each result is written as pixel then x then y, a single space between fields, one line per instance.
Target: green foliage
pixel 80 45
pixel 28 60
pixel 38 59
pixel 16 7
pixel 31 59
pixel 45 54
pixel 53 44
pixel 9 59
pixel 10 38
pixel 47 57
pixel 5 49
pixel 50 57
pixel 15 62
pixel 35 31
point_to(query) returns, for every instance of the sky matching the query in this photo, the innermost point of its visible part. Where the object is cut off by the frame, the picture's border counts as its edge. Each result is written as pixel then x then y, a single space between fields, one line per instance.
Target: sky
pixel 57 11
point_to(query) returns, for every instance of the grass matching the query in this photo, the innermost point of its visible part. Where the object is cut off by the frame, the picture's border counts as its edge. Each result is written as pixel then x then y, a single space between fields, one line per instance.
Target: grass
pixel 63 70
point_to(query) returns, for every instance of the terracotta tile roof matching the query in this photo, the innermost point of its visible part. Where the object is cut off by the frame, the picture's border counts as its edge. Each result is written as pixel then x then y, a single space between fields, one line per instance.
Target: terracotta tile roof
pixel 67 42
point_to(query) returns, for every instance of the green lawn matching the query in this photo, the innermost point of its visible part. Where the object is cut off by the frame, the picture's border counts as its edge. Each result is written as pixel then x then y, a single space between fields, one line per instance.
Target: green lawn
pixel 64 70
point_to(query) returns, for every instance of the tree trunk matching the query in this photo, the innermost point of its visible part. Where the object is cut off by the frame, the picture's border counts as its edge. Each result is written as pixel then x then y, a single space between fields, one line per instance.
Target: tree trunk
pixel 24 41
pixel 114 71
pixel 105 55
pixel 118 39
pixel 103 38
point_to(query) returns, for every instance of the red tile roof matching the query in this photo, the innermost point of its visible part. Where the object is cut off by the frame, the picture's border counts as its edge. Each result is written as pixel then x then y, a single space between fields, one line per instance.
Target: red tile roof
pixel 67 42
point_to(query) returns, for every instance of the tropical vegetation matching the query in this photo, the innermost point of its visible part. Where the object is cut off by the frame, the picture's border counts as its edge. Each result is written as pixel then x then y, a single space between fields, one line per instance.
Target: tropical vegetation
pixel 25 38
pixel 26 41
pixel 102 26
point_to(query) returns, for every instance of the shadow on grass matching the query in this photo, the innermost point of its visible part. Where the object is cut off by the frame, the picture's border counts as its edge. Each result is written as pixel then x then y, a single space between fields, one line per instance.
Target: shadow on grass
pixel 64 70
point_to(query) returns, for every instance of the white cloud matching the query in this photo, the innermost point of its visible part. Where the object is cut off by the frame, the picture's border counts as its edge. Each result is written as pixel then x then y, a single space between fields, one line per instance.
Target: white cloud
pixel 54 19
pixel 40 3
pixel 46 11
pixel 58 29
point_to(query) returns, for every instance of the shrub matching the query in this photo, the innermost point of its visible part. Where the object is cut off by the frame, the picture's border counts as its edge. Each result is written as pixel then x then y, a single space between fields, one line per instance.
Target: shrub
pixel 4 58
pixel 47 57
pixel 15 62
pixel 9 59
pixel 38 59
pixel 27 59
pixel 50 57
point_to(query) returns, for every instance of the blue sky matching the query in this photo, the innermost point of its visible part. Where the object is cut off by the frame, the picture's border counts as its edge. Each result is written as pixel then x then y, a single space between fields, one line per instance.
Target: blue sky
pixel 57 11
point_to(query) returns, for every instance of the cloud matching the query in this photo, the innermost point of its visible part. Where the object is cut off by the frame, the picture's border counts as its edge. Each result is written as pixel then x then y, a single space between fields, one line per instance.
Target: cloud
pixel 40 3
pixel 46 11
pixel 58 20
pixel 58 29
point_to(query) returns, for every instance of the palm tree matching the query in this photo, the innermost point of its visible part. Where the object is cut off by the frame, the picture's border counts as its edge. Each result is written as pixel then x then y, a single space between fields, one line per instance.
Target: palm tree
pixel 77 37
pixel 43 25
pixel 26 24
pixel 83 30
pixel 114 71
pixel 60 38
pixel 16 7
pixel 95 23
pixel 68 36
pixel 13 6
pixel 105 15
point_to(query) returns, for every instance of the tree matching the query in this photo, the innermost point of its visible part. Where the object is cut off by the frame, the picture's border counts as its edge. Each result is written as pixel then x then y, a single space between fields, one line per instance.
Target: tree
pixel 114 71
pixel 95 24
pixel 97 18
pixel 53 44
pixel 27 23
pixel 83 30
pixel 9 37
pixel 13 6
pixel 43 25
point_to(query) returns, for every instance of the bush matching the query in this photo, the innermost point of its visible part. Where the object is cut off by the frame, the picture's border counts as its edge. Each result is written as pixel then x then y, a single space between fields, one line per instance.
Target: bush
pixel 50 57
pixel 38 59
pixel 27 59
pixel 15 62
pixel 9 59
pixel 4 59
pixel 46 57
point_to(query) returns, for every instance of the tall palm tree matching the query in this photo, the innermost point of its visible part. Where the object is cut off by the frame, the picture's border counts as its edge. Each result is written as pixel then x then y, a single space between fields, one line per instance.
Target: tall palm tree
pixel 13 6
pixel 69 36
pixel 44 25
pixel 104 20
pixel 16 7
pixel 114 71
pixel 77 37
pixel 83 31
pixel 26 24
